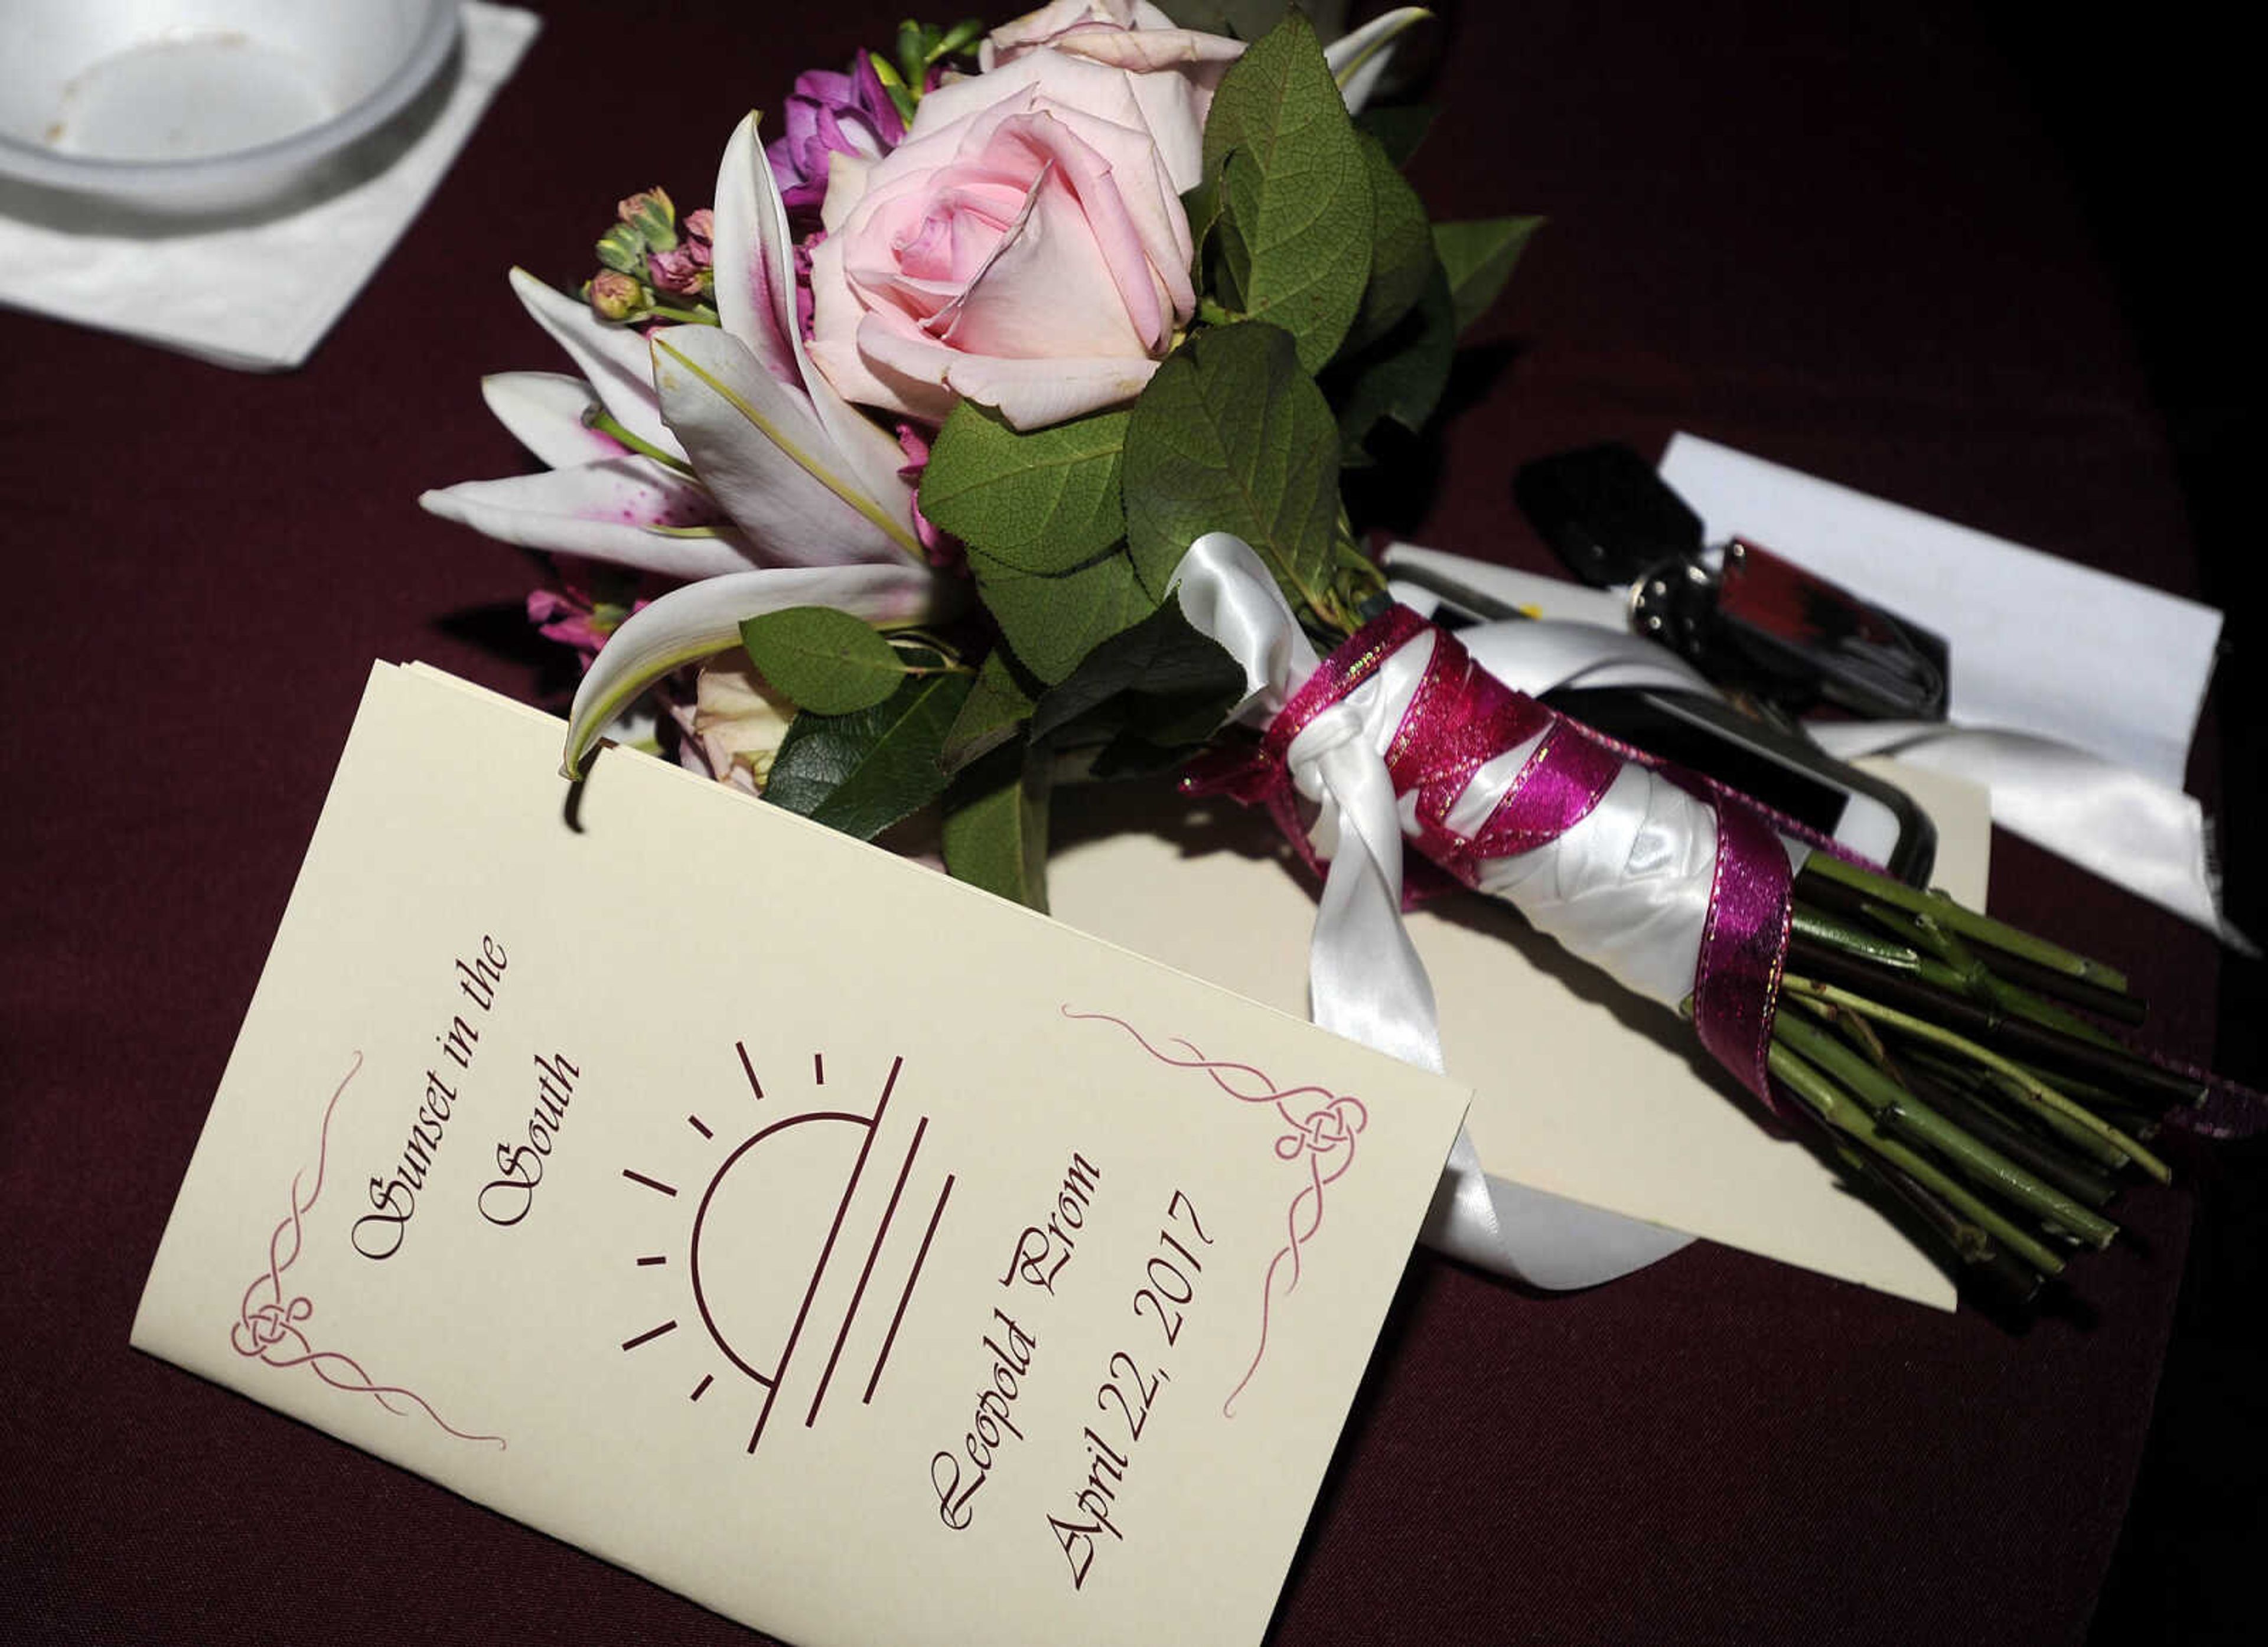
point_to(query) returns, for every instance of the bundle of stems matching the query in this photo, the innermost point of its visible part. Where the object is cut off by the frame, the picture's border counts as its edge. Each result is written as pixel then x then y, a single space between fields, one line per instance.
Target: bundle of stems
pixel 1944 1058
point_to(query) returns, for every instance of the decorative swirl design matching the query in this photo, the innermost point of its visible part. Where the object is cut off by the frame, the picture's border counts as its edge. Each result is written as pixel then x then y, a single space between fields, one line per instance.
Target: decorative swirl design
pixel 269 1328
pixel 1322 1135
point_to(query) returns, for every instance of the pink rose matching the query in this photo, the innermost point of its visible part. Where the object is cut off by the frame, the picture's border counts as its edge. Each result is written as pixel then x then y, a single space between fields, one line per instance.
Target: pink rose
pixel 1024 248
pixel 1176 70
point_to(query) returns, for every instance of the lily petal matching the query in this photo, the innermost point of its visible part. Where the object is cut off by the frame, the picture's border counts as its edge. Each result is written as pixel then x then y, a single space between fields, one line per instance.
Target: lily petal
pixel 867 454
pixel 753 270
pixel 762 451
pixel 700 619
pixel 630 511
pixel 544 412
pixel 1359 61
pixel 614 359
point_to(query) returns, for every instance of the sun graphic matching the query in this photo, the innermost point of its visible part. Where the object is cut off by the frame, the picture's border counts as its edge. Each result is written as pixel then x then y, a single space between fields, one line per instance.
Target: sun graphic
pixel 771 1210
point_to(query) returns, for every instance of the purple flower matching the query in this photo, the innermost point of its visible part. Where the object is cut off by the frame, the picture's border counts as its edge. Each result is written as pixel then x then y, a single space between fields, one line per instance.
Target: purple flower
pixel 914 441
pixel 829 113
pixel 684 268
pixel 589 603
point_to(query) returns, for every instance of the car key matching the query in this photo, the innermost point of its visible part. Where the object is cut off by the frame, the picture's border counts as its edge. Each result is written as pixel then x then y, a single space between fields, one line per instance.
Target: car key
pixel 1747 618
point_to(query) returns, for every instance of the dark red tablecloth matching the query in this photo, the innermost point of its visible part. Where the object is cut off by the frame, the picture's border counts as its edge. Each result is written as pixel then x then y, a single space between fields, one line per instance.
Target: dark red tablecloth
pixel 1835 236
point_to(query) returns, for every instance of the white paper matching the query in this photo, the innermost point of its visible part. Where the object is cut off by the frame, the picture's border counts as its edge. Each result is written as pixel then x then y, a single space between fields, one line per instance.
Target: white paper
pixel 255 290
pixel 568 1129
pixel 2031 635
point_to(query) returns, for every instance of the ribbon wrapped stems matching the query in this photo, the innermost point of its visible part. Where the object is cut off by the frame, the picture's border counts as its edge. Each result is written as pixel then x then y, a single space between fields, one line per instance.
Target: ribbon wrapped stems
pixel 1938 1055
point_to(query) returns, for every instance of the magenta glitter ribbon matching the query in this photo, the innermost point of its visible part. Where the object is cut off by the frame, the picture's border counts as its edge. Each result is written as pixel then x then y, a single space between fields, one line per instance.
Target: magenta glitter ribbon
pixel 1460 718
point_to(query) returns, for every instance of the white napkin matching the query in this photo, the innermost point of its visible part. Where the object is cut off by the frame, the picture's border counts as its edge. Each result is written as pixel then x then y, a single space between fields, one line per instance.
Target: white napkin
pixel 256 290
pixel 2039 645
pixel 2085 763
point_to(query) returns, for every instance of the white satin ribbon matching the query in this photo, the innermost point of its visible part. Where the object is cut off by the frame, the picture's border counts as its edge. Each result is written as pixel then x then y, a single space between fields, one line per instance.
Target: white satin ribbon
pixel 1366 980
pixel 2109 819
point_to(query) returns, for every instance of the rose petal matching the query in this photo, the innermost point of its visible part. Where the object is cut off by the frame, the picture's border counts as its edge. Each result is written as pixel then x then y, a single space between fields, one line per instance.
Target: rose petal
pixel 1174 98
pixel 1146 51
pixel 1102 109
pixel 1017 306
pixel 837 318
pixel 1083 219
pixel 846 182
pixel 1029 393
pixel 1036 28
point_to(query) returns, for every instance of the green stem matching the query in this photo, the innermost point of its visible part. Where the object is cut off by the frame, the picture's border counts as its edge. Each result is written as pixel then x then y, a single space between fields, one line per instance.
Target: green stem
pixel 597 416
pixel 1893 1106
pixel 1846 1116
pixel 2038 1093
pixel 1998 1276
pixel 1967 921
pixel 2037 1153
pixel 2015 1095
pixel 1823 928
pixel 1958 967
pixel 2018 1038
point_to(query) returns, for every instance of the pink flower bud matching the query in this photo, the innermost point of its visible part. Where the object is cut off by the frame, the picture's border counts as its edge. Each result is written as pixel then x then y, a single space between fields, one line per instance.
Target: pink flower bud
pixel 650 213
pixel 615 295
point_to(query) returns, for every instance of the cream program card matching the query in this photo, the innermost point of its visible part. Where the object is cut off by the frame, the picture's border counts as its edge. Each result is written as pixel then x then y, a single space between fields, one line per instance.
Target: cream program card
pixel 865 1257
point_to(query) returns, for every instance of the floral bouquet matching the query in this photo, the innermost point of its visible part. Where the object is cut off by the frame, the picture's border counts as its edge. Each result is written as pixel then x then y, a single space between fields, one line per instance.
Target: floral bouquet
pixel 989 425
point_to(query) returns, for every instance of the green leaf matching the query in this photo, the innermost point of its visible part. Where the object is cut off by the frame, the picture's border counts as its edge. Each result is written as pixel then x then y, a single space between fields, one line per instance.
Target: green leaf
pixel 995 826
pixel 1201 203
pixel 1232 436
pixel 1052 622
pixel 1294 231
pixel 1400 376
pixel 822 659
pixel 862 772
pixel 1399 128
pixel 1044 502
pixel 996 708
pixel 1161 660
pixel 1479 256
pixel 1402 251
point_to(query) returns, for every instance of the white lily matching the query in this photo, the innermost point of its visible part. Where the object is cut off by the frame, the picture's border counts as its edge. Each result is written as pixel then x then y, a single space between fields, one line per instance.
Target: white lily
pixel 739 466
pixel 704 619
pixel 1359 61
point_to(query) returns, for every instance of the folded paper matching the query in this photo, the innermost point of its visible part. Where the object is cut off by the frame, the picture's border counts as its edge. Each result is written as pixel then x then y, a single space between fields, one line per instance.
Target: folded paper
pixel 864 1257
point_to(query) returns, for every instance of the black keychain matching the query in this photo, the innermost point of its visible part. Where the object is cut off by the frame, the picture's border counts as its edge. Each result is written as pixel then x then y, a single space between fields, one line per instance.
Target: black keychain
pixel 1746 618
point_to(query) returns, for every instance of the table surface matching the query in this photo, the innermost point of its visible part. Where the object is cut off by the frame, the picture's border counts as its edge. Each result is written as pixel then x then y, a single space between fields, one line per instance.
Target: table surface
pixel 1834 236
